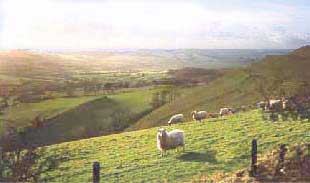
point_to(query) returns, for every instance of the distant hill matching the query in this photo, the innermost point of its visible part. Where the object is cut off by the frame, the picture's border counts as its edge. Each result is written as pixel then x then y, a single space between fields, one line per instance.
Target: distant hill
pixel 277 75
pixel 302 52
pixel 120 60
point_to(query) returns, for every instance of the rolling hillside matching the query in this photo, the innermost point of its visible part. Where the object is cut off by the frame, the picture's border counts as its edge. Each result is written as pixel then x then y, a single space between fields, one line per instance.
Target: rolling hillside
pixel 72 119
pixel 21 115
pixel 212 146
pixel 76 118
pixel 232 90
pixel 281 75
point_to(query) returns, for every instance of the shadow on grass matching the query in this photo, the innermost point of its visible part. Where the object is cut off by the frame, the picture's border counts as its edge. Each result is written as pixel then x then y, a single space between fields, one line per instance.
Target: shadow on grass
pixel 208 156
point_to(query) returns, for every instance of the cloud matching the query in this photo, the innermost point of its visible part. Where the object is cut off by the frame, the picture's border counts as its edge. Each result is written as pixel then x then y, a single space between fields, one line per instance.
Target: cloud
pixel 150 24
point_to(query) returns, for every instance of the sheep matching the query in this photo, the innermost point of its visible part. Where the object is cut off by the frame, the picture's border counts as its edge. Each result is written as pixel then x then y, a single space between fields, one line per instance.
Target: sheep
pixel 200 115
pixel 285 104
pixel 176 119
pixel 232 110
pixel 170 140
pixel 225 111
pixel 261 104
pixel 275 105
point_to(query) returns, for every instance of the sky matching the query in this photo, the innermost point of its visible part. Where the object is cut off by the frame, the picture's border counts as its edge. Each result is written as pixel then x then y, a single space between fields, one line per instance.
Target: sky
pixel 153 24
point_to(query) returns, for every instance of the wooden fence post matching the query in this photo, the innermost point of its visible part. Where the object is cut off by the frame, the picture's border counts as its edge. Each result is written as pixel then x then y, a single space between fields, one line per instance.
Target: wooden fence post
pixel 280 165
pixel 254 158
pixel 1 164
pixel 96 172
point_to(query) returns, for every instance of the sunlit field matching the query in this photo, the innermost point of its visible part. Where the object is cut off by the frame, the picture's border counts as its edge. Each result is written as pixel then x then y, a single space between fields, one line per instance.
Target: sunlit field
pixel 215 145
pixel 154 91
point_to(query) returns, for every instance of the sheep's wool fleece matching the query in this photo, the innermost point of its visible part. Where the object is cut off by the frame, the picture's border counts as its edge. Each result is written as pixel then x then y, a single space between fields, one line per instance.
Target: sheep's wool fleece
pixel 175 138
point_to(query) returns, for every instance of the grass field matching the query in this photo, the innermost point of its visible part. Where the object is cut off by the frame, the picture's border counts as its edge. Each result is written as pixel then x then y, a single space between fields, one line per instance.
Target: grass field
pixel 22 114
pixel 215 145
pixel 232 90
pixel 100 116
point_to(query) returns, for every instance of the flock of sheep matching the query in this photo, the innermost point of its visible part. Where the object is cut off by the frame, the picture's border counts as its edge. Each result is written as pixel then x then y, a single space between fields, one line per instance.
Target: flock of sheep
pixel 276 105
pixel 200 115
pixel 175 138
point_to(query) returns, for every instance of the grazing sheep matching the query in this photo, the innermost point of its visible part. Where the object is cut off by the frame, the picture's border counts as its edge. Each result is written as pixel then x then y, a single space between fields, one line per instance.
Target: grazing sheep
pixel 285 103
pixel 225 111
pixel 200 115
pixel 176 119
pixel 261 104
pixel 275 105
pixel 170 140
pixel 232 110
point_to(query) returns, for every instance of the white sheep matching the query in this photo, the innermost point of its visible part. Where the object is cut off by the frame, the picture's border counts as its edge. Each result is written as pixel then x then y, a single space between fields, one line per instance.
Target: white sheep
pixel 275 105
pixel 225 111
pixel 200 115
pixel 170 140
pixel 176 119
pixel 261 104
pixel 278 104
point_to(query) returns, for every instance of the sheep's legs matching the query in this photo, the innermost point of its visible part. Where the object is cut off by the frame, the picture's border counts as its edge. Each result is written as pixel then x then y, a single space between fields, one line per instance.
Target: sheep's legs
pixel 183 148
pixel 162 153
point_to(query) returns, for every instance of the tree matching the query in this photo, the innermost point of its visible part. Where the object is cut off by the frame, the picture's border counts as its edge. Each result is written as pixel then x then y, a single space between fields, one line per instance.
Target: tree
pixel 155 100
pixel 108 86
pixel 38 121
pixel 20 162
pixel 120 119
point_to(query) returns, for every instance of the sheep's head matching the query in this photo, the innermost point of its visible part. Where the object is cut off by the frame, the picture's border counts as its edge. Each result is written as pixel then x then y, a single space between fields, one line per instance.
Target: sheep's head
pixel 162 137
pixel 162 133
pixel 285 103
pixel 193 113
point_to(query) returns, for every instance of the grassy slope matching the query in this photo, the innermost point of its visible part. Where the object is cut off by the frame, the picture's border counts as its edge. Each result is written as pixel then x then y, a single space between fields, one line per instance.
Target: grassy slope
pixel 234 90
pixel 21 115
pixel 278 75
pixel 211 146
pixel 104 115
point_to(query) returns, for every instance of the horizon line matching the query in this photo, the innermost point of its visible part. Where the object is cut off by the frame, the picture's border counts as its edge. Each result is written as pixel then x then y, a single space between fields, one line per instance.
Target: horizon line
pixel 136 49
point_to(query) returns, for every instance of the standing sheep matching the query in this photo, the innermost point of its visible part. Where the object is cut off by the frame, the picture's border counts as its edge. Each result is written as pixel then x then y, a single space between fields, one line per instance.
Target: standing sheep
pixel 169 140
pixel 225 111
pixel 198 116
pixel 261 104
pixel 176 119
pixel 274 105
